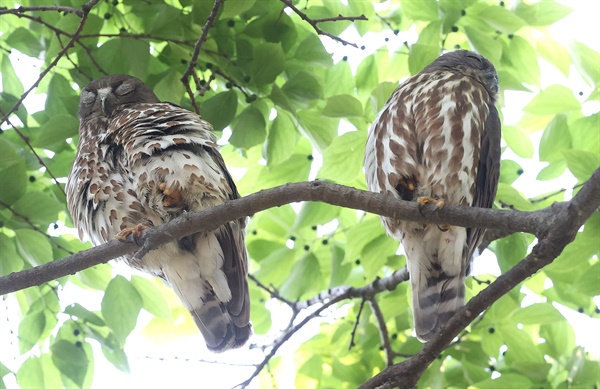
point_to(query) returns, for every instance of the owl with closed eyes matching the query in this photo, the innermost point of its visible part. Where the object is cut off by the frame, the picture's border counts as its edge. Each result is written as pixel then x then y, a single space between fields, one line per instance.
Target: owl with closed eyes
pixel 140 163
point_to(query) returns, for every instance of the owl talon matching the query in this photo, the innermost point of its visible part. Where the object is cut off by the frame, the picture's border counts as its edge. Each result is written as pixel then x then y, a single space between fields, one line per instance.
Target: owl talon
pixel 430 200
pixel 136 232
pixel 172 197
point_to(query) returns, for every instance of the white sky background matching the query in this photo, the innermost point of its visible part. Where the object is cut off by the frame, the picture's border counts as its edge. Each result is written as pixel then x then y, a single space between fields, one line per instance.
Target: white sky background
pixel 164 365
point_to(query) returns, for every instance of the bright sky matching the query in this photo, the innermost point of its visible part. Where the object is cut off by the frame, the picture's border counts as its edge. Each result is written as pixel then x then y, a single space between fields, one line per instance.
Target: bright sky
pixel 176 364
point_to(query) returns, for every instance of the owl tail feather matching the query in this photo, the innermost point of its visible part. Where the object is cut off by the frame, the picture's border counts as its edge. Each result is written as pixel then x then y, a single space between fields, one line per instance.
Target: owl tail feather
pixel 436 302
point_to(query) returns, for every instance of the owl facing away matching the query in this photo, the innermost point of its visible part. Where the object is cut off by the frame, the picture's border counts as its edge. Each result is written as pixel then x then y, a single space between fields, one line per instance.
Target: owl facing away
pixel 437 139
pixel 141 162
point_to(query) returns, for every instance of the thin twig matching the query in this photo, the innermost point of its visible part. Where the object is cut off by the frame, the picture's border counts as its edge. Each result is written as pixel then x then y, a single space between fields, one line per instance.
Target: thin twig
pixel 355 326
pixel 383 331
pixel 194 60
pixel 314 22
pixel 272 291
pixel 58 8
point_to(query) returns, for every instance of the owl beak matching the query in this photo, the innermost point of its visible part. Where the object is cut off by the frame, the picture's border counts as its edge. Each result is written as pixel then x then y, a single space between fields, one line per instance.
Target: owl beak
pixel 107 101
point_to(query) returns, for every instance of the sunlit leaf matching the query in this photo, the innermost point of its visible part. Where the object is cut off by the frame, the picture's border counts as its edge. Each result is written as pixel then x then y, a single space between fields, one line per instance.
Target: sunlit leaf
pixel 120 307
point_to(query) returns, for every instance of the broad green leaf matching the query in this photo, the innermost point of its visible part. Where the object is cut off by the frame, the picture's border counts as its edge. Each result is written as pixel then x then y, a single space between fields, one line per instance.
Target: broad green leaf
pixel 560 338
pixel 518 141
pixel 589 282
pixel 555 140
pixel 512 198
pixel 340 80
pixel 367 74
pixel 33 247
pixel 249 128
pixel 233 8
pixel 342 106
pixel 375 253
pixel 12 169
pixel 582 163
pixel 315 213
pixel 268 62
pixel 281 140
pixel 220 109
pixel 134 57
pixel 170 88
pixel 420 9
pixel 504 381
pixel 303 88
pixel 96 277
pixel 153 298
pixel 510 250
pixel 304 278
pixel 585 134
pixel 586 61
pixel 420 56
pixel 23 40
pixel 502 19
pixel 10 260
pixel 294 169
pixel 342 161
pixel 543 313
pixel 318 129
pixel 81 313
pixel 510 171
pixel 56 130
pixel 542 13
pixel 520 346
pixel 360 235
pixel 31 374
pixel 555 53
pixel 30 330
pixel 484 43
pixel 523 58
pixel 311 50
pixel 552 100
pixel 38 207
pixel 10 82
pixel 552 171
pixel 120 307
pixel 70 360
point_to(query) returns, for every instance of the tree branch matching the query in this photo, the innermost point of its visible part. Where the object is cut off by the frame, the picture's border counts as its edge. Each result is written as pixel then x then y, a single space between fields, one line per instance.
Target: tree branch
pixel 314 22
pixel 561 229
pixel 194 60
pixel 538 222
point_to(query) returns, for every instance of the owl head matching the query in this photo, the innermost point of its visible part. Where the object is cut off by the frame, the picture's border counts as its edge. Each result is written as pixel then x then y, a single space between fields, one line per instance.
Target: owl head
pixel 468 59
pixel 101 96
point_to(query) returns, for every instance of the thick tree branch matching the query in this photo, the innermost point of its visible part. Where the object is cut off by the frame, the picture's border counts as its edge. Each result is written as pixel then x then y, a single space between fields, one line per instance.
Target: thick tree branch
pixel 562 227
pixel 538 222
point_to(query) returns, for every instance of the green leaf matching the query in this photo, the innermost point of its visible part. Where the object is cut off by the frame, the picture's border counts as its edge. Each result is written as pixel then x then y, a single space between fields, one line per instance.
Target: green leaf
pixel 582 163
pixel 510 250
pixel 586 61
pixel 318 129
pixel 555 140
pixel 120 307
pixel 56 130
pixel 360 235
pixel 249 128
pixel 524 60
pixel 510 171
pixel 585 134
pixel 542 13
pixel 23 40
pixel 375 254
pixel 343 106
pixel 170 88
pixel 484 43
pixel 10 82
pixel 30 330
pixel 11 261
pixel 82 313
pixel 303 88
pixel 304 278
pixel 552 100
pixel 520 346
pixel 543 313
pixel 134 57
pixel 281 140
pixel 96 277
pixel 220 109
pixel 268 62
pixel 502 19
pixel 314 213
pixel 311 50
pixel 504 381
pixel 367 74
pixel 33 247
pixel 233 8
pixel 511 197
pixel 31 374
pixel 38 207
pixel 70 360
pixel 342 161
pixel 555 53
pixel 420 9
pixel 518 141
pixel 340 80
pixel 12 169
pixel 588 282
pixel 153 298
pixel 560 338
pixel 552 171
pixel 420 56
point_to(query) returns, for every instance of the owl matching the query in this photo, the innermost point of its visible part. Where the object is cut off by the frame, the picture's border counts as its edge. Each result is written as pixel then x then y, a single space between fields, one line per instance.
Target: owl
pixel 437 140
pixel 140 163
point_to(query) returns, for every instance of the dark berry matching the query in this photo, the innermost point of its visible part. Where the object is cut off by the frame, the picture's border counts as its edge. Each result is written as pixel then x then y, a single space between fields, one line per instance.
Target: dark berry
pixel 510 36
pixel 183 61
pixel 387 39
pixel 306 247
pixel 76 332
pixel 78 344
pixel 115 2
pixel 456 47
pixel 202 82
pixel 231 23
pixel 362 47
pixel 228 85
pixel 254 232
pixel 345 58
pixel 502 4
pixel 325 241
pixel 357 262
pixel 314 228
pixel 492 330
pixel 31 179
pixel 310 157
pixel 292 238
pixel 247 79
pixel 454 29
pixel 463 12
pixel 492 368
pixel 580 93
pixel 107 16
pixel 520 171
pixel 395 336
pixel 580 310
pixel 55 226
pixel 209 65
pixel 396 32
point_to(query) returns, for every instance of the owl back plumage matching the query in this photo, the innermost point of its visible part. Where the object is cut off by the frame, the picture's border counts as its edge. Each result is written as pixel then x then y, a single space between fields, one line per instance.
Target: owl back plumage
pixel 438 136
pixel 143 162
